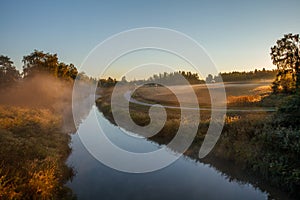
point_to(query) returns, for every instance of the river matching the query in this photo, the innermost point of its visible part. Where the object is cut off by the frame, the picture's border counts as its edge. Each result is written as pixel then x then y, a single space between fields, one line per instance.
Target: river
pixel 183 179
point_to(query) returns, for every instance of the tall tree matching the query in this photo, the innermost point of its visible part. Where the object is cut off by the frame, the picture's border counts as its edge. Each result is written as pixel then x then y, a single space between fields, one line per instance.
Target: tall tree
pixel 38 61
pixel 8 72
pixel 286 56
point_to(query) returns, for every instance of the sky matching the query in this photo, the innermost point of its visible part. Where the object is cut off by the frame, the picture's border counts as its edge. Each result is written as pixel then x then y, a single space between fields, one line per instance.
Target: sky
pixel 237 35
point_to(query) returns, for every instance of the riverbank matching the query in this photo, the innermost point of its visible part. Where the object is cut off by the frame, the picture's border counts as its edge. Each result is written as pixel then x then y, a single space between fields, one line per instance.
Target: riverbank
pixel 255 142
pixel 35 123
pixel 33 151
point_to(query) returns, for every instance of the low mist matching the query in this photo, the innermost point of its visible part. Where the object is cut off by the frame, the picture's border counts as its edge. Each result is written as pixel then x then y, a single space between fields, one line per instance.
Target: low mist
pixel 43 91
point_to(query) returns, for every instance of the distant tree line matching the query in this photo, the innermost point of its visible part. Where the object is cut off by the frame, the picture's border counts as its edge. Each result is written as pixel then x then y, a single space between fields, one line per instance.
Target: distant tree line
pixel 242 76
pixel 172 78
pixel 176 78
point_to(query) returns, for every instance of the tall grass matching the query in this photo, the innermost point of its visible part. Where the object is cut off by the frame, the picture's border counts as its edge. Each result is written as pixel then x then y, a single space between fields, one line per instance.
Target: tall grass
pixel 33 151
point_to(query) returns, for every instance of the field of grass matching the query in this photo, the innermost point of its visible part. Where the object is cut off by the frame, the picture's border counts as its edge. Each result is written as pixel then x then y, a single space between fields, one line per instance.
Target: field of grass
pixel 238 94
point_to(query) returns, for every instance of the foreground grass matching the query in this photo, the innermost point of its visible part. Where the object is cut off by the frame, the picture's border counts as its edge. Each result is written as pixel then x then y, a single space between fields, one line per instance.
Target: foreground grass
pixel 263 144
pixel 33 151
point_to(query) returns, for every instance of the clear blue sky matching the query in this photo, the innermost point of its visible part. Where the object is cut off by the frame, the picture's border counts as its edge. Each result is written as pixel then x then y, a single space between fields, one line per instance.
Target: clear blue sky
pixel 237 34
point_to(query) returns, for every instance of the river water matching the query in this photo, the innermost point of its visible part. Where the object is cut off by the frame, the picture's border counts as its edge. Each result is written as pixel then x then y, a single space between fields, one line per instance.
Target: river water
pixel 183 179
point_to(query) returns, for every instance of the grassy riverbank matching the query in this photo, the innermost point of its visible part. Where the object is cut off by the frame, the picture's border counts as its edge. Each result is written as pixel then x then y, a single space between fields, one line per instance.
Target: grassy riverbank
pixel 261 143
pixel 35 122
pixel 33 151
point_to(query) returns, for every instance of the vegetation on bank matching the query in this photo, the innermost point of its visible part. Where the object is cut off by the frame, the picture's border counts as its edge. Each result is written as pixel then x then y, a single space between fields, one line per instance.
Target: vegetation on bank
pixel 266 145
pixel 33 151
pixel 35 117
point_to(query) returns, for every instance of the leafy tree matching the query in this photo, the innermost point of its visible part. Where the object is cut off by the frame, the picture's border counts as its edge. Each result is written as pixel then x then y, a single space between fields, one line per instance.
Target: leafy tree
pixel 38 62
pixel 8 72
pixel 67 71
pixel 286 56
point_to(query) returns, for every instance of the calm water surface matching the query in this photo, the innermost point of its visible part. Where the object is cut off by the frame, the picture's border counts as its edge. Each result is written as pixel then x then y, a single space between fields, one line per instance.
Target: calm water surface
pixel 184 179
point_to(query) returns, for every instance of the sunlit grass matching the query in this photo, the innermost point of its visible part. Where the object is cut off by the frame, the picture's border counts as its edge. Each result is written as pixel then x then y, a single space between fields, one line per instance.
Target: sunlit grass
pixel 32 150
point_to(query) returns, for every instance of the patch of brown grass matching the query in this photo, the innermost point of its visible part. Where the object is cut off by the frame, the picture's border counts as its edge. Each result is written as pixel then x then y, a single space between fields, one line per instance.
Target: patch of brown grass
pixel 240 100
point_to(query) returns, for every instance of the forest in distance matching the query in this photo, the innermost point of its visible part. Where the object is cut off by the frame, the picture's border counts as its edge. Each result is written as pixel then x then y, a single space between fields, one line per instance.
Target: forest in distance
pixel 173 78
pixel 35 132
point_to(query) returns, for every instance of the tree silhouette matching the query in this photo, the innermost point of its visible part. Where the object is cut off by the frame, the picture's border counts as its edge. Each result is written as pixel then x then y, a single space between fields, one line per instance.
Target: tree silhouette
pixel 285 55
pixel 8 72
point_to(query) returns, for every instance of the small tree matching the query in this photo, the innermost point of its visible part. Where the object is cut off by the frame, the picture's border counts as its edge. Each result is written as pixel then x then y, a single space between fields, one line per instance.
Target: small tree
pixel 286 56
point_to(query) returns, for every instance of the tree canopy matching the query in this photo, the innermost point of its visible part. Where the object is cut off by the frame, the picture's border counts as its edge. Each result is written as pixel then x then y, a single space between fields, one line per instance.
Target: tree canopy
pixel 38 61
pixel 285 55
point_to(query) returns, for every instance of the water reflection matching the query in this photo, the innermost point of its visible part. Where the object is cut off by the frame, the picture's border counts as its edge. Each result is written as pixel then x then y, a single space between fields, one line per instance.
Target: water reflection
pixel 184 179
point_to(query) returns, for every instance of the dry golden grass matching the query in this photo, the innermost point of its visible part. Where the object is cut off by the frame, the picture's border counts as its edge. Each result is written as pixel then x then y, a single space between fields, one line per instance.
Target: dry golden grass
pixel 18 116
pixel 33 151
pixel 237 94
pixel 239 100
pixel 43 182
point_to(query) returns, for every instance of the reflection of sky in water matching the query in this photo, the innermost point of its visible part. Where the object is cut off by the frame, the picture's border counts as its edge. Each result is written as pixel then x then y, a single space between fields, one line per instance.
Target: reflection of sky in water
pixel 184 179
pixel 125 139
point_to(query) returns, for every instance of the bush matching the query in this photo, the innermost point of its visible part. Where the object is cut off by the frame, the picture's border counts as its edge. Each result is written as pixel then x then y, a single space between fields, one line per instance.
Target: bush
pixel 289 111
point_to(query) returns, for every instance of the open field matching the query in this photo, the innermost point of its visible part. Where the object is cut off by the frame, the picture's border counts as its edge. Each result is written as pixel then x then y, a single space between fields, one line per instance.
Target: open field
pixel 238 94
